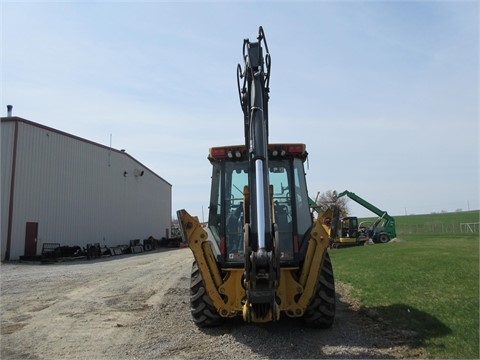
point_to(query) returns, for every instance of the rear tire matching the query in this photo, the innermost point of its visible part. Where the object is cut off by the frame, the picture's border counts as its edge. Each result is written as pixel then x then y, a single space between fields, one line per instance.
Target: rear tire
pixel 383 238
pixel 203 312
pixel 321 311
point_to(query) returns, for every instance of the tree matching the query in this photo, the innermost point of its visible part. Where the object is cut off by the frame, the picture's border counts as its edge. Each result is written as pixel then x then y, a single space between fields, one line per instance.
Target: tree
pixel 329 198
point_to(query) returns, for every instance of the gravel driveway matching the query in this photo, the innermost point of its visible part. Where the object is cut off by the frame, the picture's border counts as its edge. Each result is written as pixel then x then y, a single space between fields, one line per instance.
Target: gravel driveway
pixel 137 307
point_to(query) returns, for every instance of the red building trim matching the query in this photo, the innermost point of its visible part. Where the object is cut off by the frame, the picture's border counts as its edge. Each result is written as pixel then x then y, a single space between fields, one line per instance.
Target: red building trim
pixel 12 192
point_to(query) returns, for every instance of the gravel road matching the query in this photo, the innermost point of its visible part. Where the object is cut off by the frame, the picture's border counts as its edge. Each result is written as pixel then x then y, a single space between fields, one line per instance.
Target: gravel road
pixel 137 307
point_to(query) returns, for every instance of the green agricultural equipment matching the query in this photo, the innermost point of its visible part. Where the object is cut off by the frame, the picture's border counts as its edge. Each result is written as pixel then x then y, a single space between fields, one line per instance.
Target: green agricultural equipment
pixel 350 232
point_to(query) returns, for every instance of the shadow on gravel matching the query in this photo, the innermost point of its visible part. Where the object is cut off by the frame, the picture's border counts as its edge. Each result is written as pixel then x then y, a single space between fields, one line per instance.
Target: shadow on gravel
pixel 354 335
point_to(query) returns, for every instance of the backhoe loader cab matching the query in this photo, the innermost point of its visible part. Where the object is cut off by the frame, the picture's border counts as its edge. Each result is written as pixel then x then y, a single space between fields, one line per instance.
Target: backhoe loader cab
pixel 229 195
pixel 349 227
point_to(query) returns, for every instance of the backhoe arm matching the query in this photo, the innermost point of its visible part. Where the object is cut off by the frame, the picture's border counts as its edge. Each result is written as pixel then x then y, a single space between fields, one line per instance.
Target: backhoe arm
pixel 262 269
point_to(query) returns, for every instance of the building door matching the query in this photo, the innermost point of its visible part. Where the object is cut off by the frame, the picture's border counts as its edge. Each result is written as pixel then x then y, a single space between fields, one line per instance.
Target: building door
pixel 31 233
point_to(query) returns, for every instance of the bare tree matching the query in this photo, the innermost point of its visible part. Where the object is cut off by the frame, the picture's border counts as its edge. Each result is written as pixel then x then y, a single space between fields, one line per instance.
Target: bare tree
pixel 329 198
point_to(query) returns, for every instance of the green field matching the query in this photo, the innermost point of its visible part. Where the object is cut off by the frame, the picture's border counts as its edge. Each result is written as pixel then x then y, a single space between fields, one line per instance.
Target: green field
pixel 426 285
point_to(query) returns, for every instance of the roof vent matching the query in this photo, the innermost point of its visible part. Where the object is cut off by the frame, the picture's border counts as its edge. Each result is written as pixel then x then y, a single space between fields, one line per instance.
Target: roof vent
pixel 9 110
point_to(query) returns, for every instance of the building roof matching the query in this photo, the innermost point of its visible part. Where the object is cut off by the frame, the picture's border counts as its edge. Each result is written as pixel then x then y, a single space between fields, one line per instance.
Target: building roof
pixel 122 152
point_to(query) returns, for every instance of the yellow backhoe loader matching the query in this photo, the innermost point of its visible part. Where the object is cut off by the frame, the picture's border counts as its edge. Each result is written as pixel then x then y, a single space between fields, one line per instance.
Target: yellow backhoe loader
pixel 261 256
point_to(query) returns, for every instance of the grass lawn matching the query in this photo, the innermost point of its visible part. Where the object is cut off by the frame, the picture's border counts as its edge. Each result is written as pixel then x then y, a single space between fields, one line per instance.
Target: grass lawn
pixel 426 285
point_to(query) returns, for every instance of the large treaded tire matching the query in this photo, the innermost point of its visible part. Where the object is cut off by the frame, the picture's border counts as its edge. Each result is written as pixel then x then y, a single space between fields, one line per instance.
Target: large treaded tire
pixel 321 311
pixel 203 312
pixel 382 238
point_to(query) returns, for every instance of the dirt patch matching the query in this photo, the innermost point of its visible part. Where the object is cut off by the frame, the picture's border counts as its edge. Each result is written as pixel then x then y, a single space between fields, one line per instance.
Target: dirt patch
pixel 138 307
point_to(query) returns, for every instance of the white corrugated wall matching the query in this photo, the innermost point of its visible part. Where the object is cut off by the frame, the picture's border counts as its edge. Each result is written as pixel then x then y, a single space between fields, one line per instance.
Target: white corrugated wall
pixel 77 192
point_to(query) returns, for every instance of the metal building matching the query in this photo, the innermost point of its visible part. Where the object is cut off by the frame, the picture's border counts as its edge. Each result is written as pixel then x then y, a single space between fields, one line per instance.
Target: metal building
pixel 60 188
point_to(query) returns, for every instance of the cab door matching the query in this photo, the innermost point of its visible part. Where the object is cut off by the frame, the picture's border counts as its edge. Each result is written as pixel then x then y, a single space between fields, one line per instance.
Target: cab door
pixel 353 227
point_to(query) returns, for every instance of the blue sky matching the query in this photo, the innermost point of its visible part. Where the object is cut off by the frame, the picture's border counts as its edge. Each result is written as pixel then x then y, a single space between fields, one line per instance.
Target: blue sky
pixel 384 94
